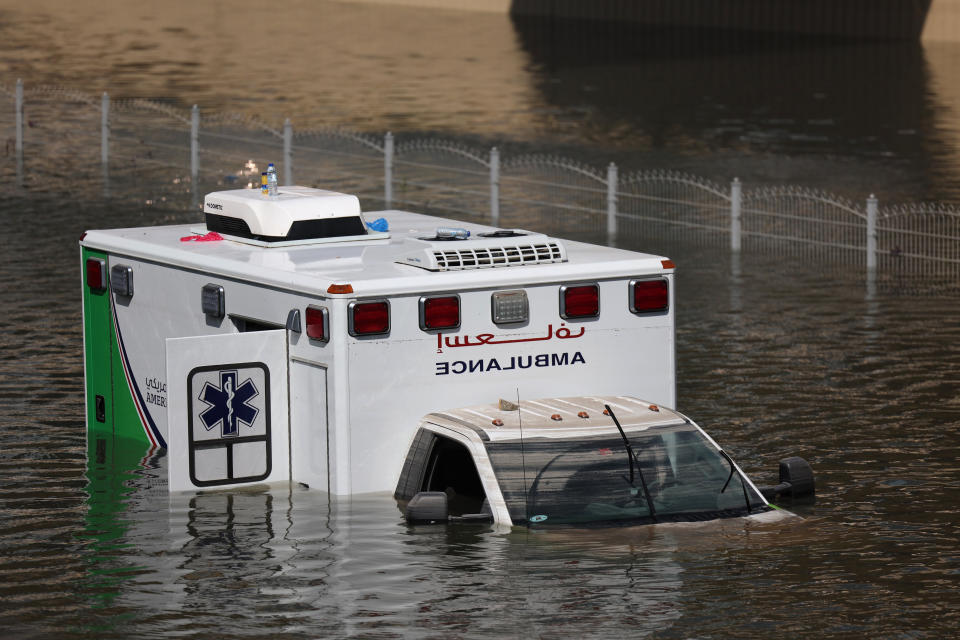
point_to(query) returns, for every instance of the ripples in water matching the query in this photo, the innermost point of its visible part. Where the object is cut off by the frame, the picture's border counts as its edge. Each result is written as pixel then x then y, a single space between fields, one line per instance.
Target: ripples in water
pixel 774 359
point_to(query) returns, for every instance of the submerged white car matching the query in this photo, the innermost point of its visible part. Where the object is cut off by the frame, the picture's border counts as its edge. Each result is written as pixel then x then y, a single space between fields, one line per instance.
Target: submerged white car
pixel 581 461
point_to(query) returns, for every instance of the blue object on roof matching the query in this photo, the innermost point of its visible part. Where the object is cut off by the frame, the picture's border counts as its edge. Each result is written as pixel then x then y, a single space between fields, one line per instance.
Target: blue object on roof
pixel 380 224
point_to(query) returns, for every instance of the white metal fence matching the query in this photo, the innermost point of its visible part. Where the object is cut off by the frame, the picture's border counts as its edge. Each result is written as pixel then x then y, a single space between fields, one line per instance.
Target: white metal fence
pixel 907 245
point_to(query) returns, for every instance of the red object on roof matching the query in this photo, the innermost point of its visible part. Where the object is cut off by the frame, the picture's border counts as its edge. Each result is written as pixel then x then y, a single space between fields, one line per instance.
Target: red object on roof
pixel 213 236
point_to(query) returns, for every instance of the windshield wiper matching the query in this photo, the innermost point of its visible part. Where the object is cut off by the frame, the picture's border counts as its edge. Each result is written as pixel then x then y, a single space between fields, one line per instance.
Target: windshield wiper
pixel 632 456
pixel 743 484
pixel 532 491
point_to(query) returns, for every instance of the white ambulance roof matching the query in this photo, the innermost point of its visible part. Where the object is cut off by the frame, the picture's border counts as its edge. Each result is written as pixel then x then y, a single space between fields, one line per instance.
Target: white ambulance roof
pixel 368 265
pixel 535 417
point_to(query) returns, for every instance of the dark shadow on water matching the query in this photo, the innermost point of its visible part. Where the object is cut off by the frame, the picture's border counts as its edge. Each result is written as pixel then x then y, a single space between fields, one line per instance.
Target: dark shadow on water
pixel 704 93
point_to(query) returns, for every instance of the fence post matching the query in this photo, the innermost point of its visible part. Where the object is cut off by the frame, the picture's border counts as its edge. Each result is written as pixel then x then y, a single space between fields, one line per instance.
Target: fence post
pixel 735 210
pixel 105 129
pixel 494 187
pixel 611 203
pixel 194 144
pixel 388 170
pixel 18 149
pixel 18 105
pixel 287 152
pixel 872 233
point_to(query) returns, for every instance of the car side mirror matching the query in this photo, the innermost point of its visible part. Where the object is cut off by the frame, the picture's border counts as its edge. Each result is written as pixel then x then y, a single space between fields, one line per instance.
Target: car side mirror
pixel 796 480
pixel 428 507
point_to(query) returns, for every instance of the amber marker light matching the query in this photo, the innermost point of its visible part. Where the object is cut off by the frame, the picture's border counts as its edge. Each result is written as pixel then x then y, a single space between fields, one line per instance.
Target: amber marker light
pixel 340 288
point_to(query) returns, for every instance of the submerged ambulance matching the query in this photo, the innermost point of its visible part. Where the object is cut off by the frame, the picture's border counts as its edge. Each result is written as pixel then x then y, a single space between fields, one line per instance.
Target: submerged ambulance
pixel 476 373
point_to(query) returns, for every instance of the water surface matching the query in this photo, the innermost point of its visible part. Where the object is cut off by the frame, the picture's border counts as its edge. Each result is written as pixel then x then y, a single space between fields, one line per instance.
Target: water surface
pixel 775 358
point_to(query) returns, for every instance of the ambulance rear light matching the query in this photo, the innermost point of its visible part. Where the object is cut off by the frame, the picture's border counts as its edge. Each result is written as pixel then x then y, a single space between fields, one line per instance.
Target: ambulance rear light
pixel 439 312
pixel 96 274
pixel 121 280
pixel 580 301
pixel 368 318
pixel 318 324
pixel 649 295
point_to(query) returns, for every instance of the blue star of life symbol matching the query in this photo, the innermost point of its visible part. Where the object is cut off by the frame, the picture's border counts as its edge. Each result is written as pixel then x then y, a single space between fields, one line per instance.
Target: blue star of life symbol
pixel 228 405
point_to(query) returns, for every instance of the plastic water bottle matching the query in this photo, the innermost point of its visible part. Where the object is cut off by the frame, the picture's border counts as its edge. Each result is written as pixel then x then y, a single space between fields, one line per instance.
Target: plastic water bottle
pixel 272 180
pixel 264 189
pixel 452 233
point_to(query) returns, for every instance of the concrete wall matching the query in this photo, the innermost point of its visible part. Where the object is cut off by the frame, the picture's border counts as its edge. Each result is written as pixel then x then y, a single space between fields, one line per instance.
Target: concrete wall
pixel 489 6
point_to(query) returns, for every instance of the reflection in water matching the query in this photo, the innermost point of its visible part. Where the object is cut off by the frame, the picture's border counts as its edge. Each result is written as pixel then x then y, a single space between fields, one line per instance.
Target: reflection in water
pixel 942 60
pixel 340 567
pixel 736 284
pixel 849 117
pixel 739 104
pixel 318 63
pixel 292 561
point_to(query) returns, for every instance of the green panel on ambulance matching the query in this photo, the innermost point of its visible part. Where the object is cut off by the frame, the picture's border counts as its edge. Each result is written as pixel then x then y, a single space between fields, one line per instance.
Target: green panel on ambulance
pixel 111 410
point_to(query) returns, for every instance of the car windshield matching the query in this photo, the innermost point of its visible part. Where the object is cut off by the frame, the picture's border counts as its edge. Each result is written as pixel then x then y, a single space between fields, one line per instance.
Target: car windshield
pixel 587 480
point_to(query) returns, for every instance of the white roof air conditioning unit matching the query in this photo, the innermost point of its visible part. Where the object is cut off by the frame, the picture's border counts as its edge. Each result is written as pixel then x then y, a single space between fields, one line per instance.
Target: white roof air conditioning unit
pixel 295 214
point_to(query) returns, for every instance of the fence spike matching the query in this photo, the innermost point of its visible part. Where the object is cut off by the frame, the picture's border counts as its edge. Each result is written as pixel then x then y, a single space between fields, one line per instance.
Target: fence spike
pixel 194 145
pixel 611 203
pixel 388 170
pixel 18 105
pixel 494 187
pixel 287 152
pixel 735 211
pixel 18 149
pixel 104 129
pixel 872 233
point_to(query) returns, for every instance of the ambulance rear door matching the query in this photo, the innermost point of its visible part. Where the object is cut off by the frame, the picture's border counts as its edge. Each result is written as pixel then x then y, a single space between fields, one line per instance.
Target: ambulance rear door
pixel 228 410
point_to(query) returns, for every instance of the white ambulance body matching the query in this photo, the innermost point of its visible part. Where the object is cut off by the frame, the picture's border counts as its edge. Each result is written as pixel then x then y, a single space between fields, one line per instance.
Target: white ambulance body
pixel 305 347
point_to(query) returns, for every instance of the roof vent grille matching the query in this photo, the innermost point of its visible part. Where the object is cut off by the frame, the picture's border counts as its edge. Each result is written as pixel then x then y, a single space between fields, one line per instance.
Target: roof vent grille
pixel 486 253
pixel 482 258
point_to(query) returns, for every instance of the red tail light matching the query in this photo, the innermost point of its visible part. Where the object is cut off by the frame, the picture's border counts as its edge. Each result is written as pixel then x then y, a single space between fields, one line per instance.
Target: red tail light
pixel 649 295
pixel 441 312
pixel 582 301
pixel 368 318
pixel 96 274
pixel 318 327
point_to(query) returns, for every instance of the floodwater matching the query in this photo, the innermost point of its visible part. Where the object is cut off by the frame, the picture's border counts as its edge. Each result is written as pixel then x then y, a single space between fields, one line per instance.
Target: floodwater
pixel 853 118
pixel 775 359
